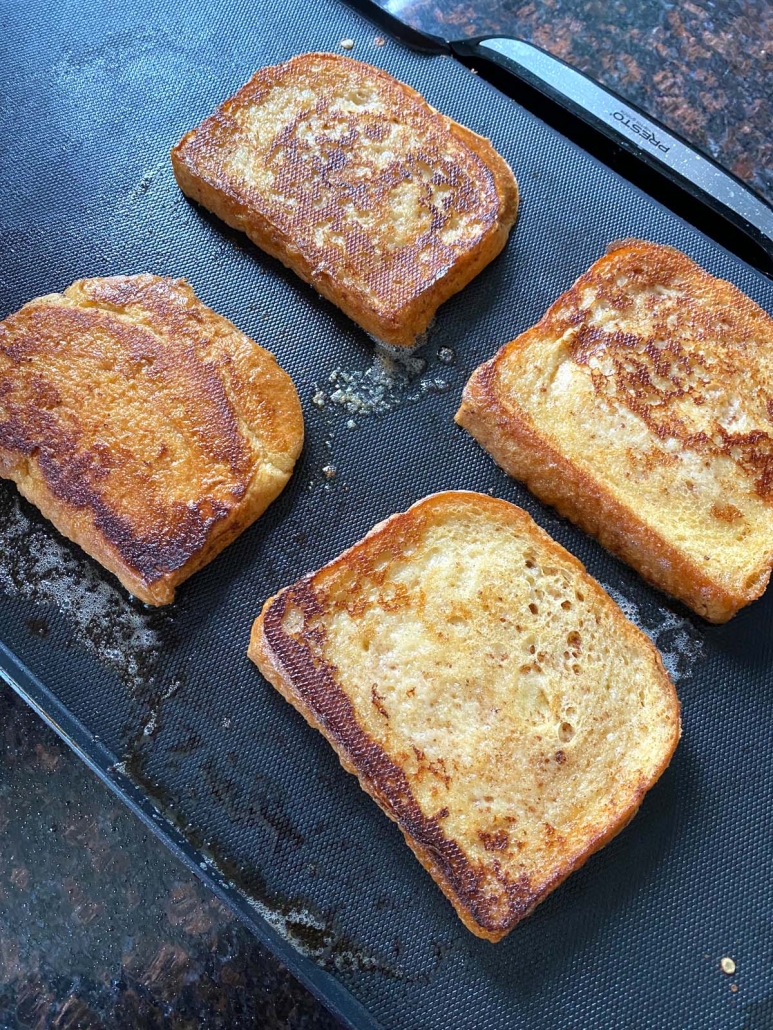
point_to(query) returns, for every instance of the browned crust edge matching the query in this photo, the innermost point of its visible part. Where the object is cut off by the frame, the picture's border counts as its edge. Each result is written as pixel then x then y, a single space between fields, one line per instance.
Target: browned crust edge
pixel 525 453
pixel 311 687
pixel 400 328
pixel 78 525
pixel 79 522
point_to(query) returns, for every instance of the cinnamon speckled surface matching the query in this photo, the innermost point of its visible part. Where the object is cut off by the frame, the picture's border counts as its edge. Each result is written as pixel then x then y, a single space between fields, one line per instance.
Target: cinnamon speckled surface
pixel 100 927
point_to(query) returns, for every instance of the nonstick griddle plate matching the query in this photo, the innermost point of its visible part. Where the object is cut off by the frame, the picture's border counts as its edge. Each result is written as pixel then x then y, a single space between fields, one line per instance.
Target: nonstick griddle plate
pixel 165 704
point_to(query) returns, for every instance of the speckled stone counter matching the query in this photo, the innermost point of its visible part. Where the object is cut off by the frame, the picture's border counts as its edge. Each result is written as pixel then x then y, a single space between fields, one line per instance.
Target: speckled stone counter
pixel 703 68
pixel 100 927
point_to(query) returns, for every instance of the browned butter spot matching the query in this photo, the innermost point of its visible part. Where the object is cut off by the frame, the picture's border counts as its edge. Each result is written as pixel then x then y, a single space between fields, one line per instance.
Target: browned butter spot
pixel 726 512
pixel 496 841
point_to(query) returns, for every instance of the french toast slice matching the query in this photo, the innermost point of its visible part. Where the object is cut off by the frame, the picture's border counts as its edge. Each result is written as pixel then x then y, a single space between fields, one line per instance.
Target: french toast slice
pixel 487 693
pixel 145 427
pixel 641 407
pixel 354 182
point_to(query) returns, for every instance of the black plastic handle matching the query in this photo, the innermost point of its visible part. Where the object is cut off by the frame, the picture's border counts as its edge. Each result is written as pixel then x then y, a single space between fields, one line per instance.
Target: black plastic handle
pixel 628 128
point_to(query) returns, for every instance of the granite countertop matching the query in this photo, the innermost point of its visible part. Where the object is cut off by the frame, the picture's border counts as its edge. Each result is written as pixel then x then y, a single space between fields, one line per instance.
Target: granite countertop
pixel 702 67
pixel 101 926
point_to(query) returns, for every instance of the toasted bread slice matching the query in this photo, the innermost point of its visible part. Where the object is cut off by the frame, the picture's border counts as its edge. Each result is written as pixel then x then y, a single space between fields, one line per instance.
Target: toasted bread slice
pixel 355 183
pixel 641 406
pixel 147 428
pixel 489 695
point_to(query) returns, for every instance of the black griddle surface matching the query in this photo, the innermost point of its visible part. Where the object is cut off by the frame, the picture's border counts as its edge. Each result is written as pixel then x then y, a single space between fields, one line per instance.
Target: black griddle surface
pixel 166 706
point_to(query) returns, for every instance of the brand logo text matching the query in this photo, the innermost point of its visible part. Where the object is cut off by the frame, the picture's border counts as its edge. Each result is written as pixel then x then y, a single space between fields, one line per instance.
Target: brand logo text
pixel 641 130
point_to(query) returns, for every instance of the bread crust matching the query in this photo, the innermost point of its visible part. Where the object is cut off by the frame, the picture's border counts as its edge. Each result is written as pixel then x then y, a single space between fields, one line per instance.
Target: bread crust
pixel 360 280
pixel 185 433
pixel 506 431
pixel 312 686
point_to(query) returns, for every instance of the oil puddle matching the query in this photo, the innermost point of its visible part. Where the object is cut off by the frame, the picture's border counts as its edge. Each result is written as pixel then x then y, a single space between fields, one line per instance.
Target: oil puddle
pixel 296 920
pixel 299 922
pixel 679 642
pixel 37 565
pixel 315 937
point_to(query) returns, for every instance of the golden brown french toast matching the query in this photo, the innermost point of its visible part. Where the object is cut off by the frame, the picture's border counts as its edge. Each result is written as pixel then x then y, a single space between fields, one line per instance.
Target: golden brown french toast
pixel 147 428
pixel 353 181
pixel 487 693
pixel 641 407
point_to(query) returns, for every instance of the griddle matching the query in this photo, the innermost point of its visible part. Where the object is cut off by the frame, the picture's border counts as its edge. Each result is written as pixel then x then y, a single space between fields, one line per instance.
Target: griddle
pixel 163 704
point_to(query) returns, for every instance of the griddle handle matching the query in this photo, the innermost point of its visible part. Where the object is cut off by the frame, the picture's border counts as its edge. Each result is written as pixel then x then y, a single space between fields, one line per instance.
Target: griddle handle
pixel 635 132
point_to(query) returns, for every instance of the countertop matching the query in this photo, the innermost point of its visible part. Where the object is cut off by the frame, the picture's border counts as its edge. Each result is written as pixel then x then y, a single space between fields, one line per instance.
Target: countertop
pixel 101 927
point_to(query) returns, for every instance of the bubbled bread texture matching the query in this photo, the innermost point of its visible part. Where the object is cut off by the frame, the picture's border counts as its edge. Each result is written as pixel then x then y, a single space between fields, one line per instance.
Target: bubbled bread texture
pixel 525 715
